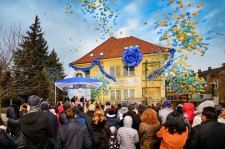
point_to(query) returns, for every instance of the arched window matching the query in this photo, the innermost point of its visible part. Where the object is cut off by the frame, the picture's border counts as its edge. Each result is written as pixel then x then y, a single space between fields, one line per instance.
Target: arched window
pixel 79 75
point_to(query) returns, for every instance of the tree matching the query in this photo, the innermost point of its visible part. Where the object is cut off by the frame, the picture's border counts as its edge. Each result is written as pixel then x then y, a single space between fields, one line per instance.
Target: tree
pixel 9 40
pixel 30 70
pixel 55 72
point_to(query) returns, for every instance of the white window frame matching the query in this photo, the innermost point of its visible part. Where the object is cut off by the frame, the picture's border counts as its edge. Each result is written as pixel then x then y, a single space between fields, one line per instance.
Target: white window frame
pixel 128 71
pixel 128 93
pixel 115 73
pixel 115 91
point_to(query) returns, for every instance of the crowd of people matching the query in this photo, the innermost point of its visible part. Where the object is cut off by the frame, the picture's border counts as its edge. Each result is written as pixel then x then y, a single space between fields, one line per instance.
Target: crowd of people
pixel 73 124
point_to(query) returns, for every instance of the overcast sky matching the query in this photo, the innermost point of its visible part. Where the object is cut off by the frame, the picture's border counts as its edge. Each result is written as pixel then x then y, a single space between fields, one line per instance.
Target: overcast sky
pixel 72 35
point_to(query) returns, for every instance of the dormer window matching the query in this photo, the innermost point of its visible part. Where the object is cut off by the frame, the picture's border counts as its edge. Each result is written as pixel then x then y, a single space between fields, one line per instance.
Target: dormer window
pixel 91 54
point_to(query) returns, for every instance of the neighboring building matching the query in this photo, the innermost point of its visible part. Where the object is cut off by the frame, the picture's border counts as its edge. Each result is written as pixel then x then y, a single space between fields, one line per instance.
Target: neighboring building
pixel 215 79
pixel 131 82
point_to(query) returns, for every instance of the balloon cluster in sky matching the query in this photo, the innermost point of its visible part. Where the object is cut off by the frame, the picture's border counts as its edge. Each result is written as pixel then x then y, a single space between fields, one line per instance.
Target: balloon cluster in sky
pixel 178 29
pixel 103 13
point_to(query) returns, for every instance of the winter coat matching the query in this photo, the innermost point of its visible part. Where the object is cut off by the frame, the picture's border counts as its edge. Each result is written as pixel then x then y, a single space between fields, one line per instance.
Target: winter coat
pixel 37 129
pixel 126 135
pixel 112 120
pixel 60 110
pixel 53 120
pixel 121 112
pixel 100 134
pixel 147 134
pixel 5 141
pixel 135 118
pixel 208 135
pixel 188 109
pixel 72 135
pixel 163 113
pixel 171 141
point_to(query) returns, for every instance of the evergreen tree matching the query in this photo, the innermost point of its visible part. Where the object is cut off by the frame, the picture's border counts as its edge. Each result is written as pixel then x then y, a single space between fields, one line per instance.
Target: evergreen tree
pixel 55 72
pixel 30 63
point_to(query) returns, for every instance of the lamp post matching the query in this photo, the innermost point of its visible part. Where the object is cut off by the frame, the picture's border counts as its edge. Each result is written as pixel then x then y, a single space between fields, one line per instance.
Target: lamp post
pixel 146 82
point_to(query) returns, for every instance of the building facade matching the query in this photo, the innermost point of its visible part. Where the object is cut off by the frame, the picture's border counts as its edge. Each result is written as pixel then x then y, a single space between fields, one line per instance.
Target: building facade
pixel 131 83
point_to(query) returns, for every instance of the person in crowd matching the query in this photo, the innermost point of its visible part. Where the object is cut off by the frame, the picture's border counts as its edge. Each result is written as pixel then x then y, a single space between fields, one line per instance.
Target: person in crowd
pixel 107 107
pixel 51 108
pixel 72 134
pixel 188 110
pixel 5 141
pixel 61 116
pixel 23 109
pixel 82 99
pixel 111 118
pixel 174 132
pixel 52 118
pixel 147 130
pixel 221 118
pixel 141 109
pixel 66 99
pixel 197 119
pixel 113 141
pixel 99 130
pixel 35 126
pixel 126 135
pixel 78 117
pixel 17 136
pixel 210 133
pixel 132 111
pixel 124 109
pixel 166 110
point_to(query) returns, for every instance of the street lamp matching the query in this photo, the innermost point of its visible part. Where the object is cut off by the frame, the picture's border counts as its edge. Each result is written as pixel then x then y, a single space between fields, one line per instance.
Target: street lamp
pixel 146 82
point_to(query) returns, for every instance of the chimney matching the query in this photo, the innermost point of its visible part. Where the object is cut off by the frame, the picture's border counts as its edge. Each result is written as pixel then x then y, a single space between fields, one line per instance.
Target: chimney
pixel 199 70
pixel 209 68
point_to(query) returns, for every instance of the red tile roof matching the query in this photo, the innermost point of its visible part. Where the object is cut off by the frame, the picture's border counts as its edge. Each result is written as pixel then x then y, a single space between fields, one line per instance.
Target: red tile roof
pixel 114 48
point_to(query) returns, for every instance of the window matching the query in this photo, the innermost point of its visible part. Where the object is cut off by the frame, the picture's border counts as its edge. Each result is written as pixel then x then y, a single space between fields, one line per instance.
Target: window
pixel 115 70
pixel 128 71
pixel 79 75
pixel 115 94
pixel 215 83
pixel 87 74
pixel 128 93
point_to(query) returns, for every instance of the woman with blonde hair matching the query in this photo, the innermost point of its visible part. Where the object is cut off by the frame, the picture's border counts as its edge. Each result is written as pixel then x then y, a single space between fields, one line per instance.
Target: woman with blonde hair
pixel 147 130
pixel 99 130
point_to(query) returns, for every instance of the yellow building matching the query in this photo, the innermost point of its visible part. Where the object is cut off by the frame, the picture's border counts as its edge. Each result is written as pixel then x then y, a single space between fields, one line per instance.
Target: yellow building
pixel 131 82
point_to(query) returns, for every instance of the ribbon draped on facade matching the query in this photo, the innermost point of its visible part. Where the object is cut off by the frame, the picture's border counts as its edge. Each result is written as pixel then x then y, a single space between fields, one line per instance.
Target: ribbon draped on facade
pixel 97 61
pixel 132 57
pixel 155 74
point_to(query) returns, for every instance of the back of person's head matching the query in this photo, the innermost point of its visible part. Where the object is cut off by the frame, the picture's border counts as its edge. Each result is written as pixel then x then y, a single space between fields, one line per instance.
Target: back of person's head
pixel 70 112
pixel 149 116
pixel 33 101
pixel 66 105
pixel 179 109
pixel 210 113
pixel 119 106
pixel 44 106
pixel 124 104
pixel 175 123
pixel 98 116
pixel 113 130
pixel 91 107
pixel 13 112
pixel 167 104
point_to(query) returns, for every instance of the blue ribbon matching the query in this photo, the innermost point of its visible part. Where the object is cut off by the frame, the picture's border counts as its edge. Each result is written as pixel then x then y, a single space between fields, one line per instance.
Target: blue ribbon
pixel 155 74
pixel 91 66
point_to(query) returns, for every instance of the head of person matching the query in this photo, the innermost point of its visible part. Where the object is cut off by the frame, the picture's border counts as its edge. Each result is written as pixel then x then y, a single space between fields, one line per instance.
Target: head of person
pixel 209 113
pixel 91 107
pixel 124 104
pixel 33 102
pixel 98 116
pixel 13 112
pixel 175 123
pixel 149 116
pixel 70 112
pixel 107 104
pixel 44 106
pixel 167 104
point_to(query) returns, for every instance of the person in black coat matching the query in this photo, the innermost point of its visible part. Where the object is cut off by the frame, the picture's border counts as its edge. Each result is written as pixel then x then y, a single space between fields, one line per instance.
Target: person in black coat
pixel 72 134
pixel 35 126
pixel 209 134
pixel 5 141
pixel 111 118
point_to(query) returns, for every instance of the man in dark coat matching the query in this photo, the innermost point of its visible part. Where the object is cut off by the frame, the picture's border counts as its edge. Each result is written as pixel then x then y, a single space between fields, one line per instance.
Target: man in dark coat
pixel 35 126
pixel 72 134
pixel 209 134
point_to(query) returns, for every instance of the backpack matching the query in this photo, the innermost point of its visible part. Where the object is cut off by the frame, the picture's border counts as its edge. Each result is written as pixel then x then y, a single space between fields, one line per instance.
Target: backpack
pixel 113 142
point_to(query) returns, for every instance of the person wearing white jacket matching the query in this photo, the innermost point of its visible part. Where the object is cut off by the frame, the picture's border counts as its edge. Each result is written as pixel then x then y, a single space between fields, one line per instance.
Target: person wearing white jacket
pixel 126 135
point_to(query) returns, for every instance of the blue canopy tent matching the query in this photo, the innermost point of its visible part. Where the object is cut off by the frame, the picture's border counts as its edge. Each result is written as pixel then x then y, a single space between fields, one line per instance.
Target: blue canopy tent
pixel 69 83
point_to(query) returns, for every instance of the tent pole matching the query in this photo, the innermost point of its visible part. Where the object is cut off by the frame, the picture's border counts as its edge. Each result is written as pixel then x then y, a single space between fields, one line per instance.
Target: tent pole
pixel 55 94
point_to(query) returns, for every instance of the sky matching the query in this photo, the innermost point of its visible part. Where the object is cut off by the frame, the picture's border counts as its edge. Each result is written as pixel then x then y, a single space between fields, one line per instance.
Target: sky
pixel 73 35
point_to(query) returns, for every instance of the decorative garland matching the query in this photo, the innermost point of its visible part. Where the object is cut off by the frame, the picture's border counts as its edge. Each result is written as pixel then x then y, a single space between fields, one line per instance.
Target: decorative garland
pixel 92 65
pixel 132 57
pixel 155 74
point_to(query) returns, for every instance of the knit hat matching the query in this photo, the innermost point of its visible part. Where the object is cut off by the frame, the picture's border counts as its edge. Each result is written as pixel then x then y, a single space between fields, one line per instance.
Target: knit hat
pixel 124 104
pixel 131 107
pixel 111 111
pixel 167 103
pixel 44 106
pixel 33 100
